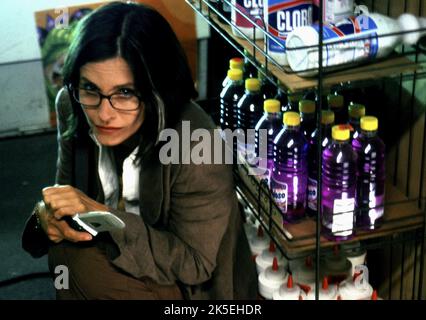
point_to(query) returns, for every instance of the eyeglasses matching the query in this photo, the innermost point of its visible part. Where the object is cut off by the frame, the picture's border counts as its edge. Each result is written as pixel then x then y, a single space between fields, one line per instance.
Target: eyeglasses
pixel 124 100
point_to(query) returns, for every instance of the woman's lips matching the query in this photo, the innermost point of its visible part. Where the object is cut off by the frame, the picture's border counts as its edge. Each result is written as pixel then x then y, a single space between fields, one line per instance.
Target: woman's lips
pixel 107 130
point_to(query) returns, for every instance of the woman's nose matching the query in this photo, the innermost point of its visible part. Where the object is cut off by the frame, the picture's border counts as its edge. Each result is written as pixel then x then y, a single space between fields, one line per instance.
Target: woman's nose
pixel 105 110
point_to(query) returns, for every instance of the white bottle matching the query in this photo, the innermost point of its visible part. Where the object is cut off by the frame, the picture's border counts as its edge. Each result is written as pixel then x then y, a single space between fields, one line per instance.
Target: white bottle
pixel 408 23
pixel 362 36
pixel 251 28
pixel 282 17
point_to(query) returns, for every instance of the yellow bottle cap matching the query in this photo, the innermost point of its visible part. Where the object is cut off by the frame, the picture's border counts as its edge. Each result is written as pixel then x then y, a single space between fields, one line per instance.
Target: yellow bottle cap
pixel 252 84
pixel 235 74
pixel 327 117
pixel 340 132
pixel 271 105
pixel 356 110
pixel 236 63
pixel 291 118
pixel 307 106
pixel 335 101
pixel 369 123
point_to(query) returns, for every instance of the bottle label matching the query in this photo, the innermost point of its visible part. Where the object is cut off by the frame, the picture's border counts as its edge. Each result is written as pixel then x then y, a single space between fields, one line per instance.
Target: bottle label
pixel 312 194
pixel 343 216
pixel 251 8
pixel 283 16
pixel 280 193
pixel 360 40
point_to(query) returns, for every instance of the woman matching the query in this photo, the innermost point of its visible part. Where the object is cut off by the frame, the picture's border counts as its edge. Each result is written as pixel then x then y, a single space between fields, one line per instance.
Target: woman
pixel 183 236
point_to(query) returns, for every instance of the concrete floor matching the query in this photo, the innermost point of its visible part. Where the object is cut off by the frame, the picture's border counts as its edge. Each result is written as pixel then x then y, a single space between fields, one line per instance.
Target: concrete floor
pixel 27 164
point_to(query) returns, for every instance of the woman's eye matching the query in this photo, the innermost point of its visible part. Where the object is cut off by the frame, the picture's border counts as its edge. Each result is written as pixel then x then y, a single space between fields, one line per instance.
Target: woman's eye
pixel 88 87
pixel 124 92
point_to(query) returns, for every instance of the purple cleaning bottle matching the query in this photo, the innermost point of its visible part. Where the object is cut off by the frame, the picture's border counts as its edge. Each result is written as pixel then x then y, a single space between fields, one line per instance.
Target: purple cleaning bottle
pixel 338 186
pixel 370 175
pixel 290 171
pixel 327 120
pixel 229 97
pixel 272 123
pixel 249 111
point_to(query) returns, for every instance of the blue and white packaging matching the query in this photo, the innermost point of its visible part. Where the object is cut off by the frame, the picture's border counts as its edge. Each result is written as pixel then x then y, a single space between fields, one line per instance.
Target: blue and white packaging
pixel 281 18
pixel 350 40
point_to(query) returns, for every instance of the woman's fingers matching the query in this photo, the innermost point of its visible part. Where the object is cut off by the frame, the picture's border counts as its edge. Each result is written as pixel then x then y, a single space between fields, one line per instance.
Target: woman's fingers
pixel 63 200
pixel 61 230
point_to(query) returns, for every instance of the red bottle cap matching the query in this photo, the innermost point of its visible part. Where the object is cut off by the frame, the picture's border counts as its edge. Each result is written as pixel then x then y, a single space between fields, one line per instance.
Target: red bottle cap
pixel 275 264
pixel 325 283
pixel 290 281
pixel 374 295
pixel 272 246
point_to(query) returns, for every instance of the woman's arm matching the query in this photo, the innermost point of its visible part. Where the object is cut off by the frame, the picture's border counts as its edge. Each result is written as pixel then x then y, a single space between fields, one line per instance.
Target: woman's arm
pixel 202 201
pixel 35 239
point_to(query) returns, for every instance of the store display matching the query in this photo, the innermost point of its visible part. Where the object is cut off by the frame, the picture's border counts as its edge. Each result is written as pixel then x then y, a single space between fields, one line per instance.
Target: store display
pixel 229 97
pixel 282 17
pixel 307 117
pixel 271 279
pixel 272 122
pixel 370 174
pixel 290 172
pixel 253 9
pixel 338 186
pixel 288 291
pixel 345 94
pixel 267 256
pixel 350 40
pixel 327 121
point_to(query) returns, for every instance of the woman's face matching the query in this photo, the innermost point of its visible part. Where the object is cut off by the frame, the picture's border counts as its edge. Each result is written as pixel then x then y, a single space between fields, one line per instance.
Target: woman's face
pixel 110 126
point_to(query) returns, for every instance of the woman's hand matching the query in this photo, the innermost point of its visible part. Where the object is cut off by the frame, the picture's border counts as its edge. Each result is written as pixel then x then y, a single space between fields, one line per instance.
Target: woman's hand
pixel 65 201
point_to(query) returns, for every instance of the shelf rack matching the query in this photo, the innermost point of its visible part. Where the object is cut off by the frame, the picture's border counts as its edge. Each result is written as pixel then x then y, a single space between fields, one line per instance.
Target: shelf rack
pixel 369 70
pixel 401 214
pixel 404 226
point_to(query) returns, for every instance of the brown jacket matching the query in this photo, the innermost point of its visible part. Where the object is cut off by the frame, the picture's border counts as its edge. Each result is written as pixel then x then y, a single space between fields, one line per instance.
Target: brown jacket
pixel 189 230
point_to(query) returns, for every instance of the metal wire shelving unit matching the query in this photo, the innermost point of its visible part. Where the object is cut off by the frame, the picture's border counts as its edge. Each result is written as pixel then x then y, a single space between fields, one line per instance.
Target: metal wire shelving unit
pixel 392 89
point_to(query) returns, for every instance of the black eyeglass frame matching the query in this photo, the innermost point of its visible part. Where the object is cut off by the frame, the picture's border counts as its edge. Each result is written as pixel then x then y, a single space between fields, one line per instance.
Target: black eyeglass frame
pixel 101 97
